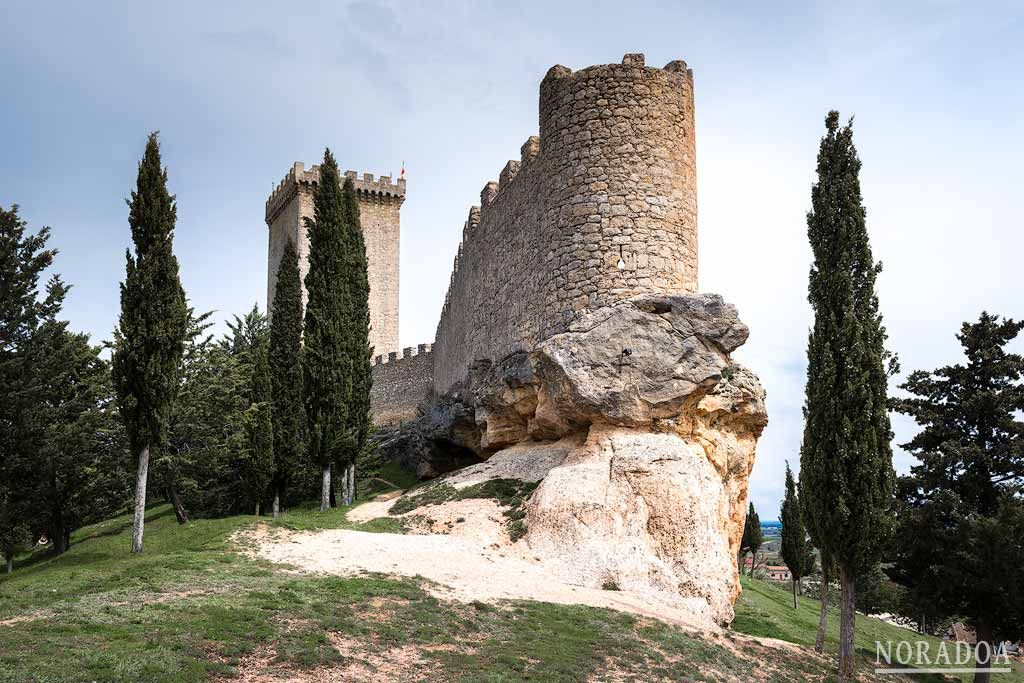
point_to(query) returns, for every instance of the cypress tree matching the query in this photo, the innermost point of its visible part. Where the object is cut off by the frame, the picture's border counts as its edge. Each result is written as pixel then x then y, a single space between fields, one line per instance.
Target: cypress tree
pixel 259 429
pixel 360 351
pixel 753 537
pixel 326 358
pixel 796 552
pixel 846 474
pixel 150 338
pixel 288 414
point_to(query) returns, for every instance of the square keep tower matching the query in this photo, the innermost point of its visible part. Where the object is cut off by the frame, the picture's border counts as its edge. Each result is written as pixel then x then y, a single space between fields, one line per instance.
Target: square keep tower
pixel 380 201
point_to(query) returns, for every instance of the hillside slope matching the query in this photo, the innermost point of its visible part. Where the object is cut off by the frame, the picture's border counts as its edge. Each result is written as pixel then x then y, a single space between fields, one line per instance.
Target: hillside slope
pixel 194 608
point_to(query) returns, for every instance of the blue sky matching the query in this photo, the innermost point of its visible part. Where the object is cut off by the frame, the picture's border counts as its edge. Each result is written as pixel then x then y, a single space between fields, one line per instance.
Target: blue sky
pixel 240 90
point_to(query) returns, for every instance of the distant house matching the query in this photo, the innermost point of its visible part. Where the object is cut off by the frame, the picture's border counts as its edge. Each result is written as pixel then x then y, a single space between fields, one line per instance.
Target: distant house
pixel 771 572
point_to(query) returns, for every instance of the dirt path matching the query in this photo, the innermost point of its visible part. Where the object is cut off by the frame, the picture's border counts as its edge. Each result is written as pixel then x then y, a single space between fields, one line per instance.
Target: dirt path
pixel 466 568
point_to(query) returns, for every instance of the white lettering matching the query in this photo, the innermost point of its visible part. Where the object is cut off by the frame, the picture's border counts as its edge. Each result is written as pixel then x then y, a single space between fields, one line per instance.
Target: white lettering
pixel 982 661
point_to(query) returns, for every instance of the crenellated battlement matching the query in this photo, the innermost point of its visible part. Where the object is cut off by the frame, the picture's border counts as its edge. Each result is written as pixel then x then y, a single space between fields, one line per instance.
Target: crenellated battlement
pixel 298 178
pixel 401 384
pixel 600 206
pixel 380 200
pixel 407 352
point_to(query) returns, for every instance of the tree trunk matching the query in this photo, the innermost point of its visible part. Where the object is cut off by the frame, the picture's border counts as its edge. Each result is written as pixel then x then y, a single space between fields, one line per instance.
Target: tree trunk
pixel 59 539
pixel 847 623
pixel 347 484
pixel 819 640
pixel 983 634
pixel 257 508
pixel 140 499
pixel 352 483
pixel 277 503
pixel 333 486
pixel 10 563
pixel 325 489
pixel 794 592
pixel 179 509
pixel 345 495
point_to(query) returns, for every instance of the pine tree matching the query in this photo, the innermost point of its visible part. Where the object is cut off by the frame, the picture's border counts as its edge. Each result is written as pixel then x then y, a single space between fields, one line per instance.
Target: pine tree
pixel 181 467
pixel 59 432
pixel 207 455
pixel 326 358
pixel 287 410
pixel 246 333
pixel 846 474
pixel 753 537
pixel 796 551
pixel 248 340
pixel 23 259
pixel 150 338
pixel 959 546
pixel 360 351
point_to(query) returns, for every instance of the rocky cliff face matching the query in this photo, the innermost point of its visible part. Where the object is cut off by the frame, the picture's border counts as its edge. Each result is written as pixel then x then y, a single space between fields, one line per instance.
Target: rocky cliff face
pixel 652 499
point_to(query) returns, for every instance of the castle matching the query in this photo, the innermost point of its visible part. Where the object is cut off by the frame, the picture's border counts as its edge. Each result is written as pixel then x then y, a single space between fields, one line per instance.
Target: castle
pixel 573 344
pixel 380 203
pixel 601 206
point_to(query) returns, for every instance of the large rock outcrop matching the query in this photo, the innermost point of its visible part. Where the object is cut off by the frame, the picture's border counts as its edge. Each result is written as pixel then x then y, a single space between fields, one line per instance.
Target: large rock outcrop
pixel 653 499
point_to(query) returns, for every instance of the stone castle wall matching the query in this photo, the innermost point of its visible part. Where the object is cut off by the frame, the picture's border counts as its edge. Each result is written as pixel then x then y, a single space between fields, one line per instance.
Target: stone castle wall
pixel 612 176
pixel 401 384
pixel 380 201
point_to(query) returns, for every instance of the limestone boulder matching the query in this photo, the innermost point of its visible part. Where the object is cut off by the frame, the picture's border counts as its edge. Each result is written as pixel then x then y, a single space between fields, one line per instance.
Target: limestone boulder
pixel 640 360
pixel 657 512
pixel 652 496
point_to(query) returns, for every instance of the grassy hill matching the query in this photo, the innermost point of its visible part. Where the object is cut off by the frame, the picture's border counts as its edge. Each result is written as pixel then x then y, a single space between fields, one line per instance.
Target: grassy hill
pixel 191 608
pixel 766 609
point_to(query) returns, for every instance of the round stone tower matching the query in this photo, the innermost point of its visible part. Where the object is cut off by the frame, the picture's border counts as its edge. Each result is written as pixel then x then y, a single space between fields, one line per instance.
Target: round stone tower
pixel 620 184
pixel 600 207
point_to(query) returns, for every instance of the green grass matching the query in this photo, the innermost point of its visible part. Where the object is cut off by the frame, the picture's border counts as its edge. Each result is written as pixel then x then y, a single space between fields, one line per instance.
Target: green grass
pixel 190 608
pixel 765 609
pixel 510 493
pixel 309 518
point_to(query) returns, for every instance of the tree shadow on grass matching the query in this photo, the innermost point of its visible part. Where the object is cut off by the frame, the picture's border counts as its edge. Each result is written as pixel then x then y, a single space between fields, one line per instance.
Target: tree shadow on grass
pixel 46 555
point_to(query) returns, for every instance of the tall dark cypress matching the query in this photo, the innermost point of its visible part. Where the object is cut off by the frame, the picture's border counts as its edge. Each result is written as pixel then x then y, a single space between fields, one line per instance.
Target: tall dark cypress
pixel 359 350
pixel 150 338
pixel 288 414
pixel 259 465
pixel 753 537
pixel 846 474
pixel 326 358
pixel 796 551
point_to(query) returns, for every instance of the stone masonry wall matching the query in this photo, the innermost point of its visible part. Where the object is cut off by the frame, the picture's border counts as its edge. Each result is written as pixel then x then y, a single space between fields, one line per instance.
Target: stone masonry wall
pixel 380 202
pixel 611 177
pixel 401 384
